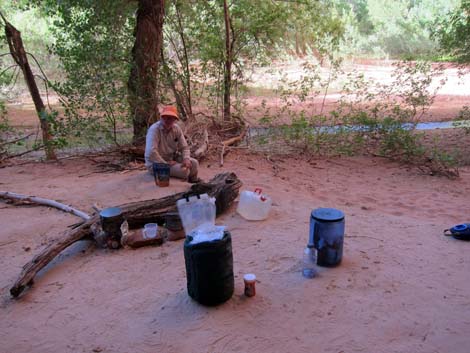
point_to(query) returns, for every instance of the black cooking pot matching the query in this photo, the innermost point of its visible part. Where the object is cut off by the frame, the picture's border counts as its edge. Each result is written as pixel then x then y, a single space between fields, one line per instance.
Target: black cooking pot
pixel 460 231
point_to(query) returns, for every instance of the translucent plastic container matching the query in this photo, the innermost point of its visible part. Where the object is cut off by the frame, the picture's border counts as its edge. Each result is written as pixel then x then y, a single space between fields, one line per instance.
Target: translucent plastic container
pixel 253 205
pixel 197 211
pixel 309 268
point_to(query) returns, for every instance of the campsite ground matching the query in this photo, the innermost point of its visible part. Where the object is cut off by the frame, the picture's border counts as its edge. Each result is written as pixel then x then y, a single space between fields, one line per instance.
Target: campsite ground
pixel 402 286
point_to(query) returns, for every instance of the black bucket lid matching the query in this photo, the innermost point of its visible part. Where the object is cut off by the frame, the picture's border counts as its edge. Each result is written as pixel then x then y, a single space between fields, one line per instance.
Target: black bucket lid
pixel 110 212
pixel 328 214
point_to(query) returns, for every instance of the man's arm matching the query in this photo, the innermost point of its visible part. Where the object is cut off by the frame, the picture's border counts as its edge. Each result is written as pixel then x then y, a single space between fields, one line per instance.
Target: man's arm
pixel 151 151
pixel 183 145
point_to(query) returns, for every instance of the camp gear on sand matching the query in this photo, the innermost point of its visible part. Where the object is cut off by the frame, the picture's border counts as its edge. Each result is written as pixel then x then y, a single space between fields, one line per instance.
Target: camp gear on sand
pixel 309 265
pixel 327 235
pixel 161 173
pixel 207 251
pixel 253 205
pixel 250 280
pixel 111 220
pixel 459 231
pixel 209 270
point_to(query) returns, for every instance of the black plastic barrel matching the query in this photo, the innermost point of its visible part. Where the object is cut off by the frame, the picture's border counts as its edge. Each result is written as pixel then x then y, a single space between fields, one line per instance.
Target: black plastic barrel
pixel 209 270
pixel 327 235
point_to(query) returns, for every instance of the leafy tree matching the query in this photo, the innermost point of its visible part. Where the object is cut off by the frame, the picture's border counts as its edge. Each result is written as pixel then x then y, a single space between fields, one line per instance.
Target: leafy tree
pixel 196 41
pixel 93 44
pixel 20 57
pixel 453 32
pixel 400 28
pixel 110 74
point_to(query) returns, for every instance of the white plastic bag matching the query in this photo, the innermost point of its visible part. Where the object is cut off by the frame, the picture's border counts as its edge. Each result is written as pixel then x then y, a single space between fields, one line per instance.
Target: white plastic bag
pixel 196 211
pixel 207 232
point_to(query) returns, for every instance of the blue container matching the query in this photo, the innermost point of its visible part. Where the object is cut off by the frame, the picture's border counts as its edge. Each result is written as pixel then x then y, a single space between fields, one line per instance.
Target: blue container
pixel 161 173
pixel 327 235
pixel 460 231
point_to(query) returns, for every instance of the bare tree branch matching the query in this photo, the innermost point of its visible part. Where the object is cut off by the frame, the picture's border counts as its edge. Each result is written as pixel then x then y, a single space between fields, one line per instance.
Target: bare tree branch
pixel 42 201
pixel 16 140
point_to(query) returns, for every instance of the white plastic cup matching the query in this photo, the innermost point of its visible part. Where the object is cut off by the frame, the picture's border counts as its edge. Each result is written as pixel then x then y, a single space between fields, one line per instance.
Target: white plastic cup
pixel 150 230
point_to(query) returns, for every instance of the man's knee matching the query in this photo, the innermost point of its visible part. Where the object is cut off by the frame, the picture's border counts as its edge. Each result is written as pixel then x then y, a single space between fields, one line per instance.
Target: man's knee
pixel 194 166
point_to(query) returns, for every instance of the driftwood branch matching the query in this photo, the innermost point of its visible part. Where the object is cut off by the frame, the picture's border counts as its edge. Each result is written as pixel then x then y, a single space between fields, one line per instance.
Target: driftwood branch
pixel 224 187
pixel 235 139
pixel 41 201
pixel 222 152
pixel 201 150
pixel 42 259
pixel 230 142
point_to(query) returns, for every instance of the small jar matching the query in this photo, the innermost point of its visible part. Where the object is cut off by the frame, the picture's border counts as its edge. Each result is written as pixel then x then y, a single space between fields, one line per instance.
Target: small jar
pixel 250 280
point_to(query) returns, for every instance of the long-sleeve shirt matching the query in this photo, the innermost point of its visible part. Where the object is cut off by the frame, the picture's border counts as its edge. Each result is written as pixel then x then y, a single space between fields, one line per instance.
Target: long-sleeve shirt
pixel 161 145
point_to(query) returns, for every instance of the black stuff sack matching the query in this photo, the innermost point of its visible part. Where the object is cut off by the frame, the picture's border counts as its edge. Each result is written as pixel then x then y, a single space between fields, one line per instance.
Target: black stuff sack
pixel 209 270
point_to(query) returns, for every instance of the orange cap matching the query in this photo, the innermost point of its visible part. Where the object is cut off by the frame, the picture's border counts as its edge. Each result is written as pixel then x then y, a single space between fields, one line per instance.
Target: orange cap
pixel 169 110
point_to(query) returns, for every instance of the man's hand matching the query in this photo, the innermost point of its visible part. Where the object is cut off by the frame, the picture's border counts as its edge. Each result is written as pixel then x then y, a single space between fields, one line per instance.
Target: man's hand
pixel 172 163
pixel 186 163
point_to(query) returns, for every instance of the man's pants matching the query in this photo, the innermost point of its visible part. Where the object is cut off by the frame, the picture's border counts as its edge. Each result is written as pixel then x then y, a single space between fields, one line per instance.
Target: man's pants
pixel 177 171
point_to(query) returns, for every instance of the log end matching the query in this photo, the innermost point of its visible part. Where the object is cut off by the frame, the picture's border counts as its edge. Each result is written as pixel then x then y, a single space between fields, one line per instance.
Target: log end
pixel 16 291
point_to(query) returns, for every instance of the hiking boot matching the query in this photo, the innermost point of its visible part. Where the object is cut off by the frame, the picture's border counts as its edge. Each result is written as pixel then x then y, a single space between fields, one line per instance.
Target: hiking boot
pixel 194 180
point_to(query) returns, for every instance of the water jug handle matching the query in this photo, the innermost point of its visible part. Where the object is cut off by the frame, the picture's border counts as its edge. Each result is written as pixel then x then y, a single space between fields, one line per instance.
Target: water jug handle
pixel 258 191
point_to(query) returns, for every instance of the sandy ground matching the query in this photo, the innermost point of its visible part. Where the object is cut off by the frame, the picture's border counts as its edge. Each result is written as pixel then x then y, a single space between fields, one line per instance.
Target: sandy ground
pixel 402 285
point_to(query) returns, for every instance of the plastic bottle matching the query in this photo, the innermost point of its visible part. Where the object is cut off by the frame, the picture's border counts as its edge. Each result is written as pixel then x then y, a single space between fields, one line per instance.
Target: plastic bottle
pixel 309 268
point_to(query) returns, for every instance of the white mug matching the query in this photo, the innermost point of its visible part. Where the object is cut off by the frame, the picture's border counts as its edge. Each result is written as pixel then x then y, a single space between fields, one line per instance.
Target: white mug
pixel 150 230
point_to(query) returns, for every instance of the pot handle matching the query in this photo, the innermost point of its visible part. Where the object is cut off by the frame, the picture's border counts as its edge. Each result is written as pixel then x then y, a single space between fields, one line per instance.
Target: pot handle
pixel 447 232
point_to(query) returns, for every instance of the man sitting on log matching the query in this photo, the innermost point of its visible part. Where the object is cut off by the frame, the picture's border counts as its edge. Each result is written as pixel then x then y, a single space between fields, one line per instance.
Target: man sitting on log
pixel 165 143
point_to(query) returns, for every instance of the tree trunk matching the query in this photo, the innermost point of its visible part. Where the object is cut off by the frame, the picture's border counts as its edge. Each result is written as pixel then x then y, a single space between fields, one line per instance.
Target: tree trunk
pixel 18 53
pixel 183 104
pixel 142 84
pixel 224 187
pixel 185 63
pixel 228 64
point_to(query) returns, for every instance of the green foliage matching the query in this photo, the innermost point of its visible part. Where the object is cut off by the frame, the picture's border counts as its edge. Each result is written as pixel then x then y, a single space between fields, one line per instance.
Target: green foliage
pixel 4 124
pixel 93 43
pixel 35 38
pixel 5 128
pixel 375 118
pixel 195 40
pixel 463 120
pixel 397 29
pixel 453 32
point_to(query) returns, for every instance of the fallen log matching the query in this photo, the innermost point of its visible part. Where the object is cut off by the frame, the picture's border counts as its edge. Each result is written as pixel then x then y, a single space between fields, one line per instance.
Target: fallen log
pixel 48 254
pixel 25 199
pixel 224 187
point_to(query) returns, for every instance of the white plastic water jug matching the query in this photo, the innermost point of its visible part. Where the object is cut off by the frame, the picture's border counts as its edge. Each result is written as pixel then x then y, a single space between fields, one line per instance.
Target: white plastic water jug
pixel 253 205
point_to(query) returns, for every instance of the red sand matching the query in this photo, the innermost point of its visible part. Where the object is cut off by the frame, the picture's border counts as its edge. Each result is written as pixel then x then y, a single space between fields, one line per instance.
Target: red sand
pixel 402 286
